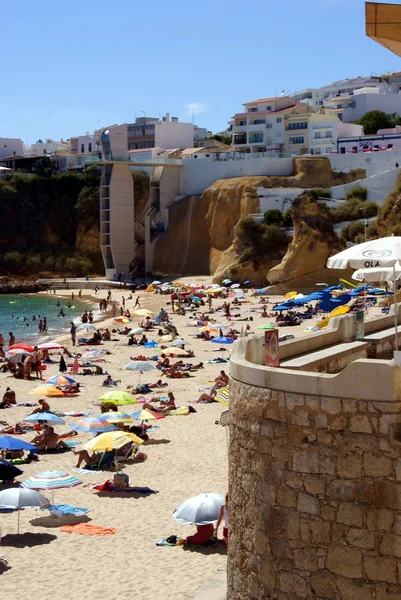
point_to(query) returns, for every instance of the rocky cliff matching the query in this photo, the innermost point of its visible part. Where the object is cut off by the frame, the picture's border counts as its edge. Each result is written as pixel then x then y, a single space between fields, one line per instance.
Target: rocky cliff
pixel 201 236
pixel 389 217
pixel 313 242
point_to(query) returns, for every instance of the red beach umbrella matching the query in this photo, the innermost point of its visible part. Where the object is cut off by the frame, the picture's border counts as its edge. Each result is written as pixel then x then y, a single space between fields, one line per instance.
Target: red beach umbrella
pixel 21 346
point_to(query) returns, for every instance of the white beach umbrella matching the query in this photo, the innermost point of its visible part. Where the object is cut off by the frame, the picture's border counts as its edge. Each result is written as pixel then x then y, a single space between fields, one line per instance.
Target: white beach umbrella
pixel 86 327
pixel 199 510
pixel 20 498
pixel 384 252
pixel 377 274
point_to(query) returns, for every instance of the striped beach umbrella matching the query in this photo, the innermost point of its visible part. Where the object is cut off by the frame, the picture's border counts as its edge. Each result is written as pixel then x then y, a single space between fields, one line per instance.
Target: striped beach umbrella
pixel 223 395
pixel 51 480
pixel 61 380
pixel 146 415
pixel 116 417
pixel 140 365
pixel 92 425
pixel 44 417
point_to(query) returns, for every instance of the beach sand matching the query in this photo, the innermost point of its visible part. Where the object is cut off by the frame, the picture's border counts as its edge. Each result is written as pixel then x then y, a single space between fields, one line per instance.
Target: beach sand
pixel 187 456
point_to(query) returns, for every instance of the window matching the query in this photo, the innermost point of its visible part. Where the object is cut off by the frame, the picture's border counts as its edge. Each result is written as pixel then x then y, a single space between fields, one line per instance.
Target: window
pixel 268 107
pixel 297 139
pixel 317 151
pixel 298 125
pixel 328 134
pixel 328 150
pixel 90 147
pixel 242 123
pixel 269 126
pixel 258 122
pixel 279 120
pixel 82 148
pixel 253 109
pixel 317 135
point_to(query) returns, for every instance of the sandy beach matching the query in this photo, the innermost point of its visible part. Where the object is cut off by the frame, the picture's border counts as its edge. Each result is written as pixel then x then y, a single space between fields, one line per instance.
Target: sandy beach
pixel 187 456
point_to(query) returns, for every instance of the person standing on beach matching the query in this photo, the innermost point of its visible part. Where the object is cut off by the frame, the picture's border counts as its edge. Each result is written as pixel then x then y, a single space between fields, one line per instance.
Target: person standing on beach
pixel 123 301
pixel 44 328
pixel 2 344
pixel 137 303
pixel 114 309
pixel 73 332
pixel 11 341
pixel 37 363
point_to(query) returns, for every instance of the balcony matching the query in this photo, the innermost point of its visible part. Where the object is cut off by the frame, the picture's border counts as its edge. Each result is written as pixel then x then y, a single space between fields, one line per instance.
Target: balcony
pixel 239 139
pixel 256 139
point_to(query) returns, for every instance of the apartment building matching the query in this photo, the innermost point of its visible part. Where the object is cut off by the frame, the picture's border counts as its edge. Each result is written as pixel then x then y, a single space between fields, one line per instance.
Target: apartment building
pixel 260 127
pixel 317 97
pixel 169 132
pixel 48 148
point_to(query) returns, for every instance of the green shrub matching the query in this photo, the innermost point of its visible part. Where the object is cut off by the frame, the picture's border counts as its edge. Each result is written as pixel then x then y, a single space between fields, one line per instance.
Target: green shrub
pixel 353 210
pixel 13 260
pixel 78 266
pixel 273 217
pixel 318 193
pixel 352 230
pixel 357 192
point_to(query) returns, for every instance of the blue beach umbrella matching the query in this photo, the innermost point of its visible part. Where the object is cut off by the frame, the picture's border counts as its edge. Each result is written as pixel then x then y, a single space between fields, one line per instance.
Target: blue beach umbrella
pixel 7 442
pixel 92 425
pixel 46 417
pixel 222 339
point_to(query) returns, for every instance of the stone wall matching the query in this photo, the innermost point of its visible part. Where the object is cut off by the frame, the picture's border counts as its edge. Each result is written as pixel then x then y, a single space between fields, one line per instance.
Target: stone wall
pixel 315 493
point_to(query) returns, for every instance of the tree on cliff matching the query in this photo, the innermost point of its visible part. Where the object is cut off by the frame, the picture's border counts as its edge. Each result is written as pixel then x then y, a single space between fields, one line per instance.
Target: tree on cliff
pixel 374 120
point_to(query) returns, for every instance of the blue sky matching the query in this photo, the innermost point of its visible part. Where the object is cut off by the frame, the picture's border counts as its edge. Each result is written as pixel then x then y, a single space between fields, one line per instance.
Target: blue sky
pixel 68 67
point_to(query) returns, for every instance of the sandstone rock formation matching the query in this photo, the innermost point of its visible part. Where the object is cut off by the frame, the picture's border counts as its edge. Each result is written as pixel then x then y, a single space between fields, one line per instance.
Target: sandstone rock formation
pixel 201 231
pixel 313 242
pixel 389 217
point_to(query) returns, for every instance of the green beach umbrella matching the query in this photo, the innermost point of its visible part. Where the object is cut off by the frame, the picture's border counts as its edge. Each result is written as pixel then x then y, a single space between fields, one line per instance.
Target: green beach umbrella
pixel 266 326
pixel 118 397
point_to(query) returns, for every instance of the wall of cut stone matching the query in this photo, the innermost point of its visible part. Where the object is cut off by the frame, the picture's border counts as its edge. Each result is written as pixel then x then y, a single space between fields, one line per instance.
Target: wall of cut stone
pixel 315 497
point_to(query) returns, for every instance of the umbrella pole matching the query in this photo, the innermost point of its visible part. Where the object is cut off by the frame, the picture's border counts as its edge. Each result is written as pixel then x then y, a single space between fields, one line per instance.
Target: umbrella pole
pixel 18 520
pixel 364 307
pixel 395 311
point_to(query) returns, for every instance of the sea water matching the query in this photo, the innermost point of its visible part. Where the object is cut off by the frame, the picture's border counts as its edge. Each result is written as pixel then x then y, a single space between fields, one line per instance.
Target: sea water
pixel 17 312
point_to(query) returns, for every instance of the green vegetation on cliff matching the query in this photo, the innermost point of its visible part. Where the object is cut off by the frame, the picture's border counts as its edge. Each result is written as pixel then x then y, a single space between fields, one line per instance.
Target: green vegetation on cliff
pixel 47 220
pixel 257 242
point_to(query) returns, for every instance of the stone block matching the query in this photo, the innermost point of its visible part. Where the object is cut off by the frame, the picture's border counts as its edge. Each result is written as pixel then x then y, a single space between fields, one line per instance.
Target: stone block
pixel 377 466
pixel 398 469
pixel 279 547
pixel 314 485
pixel 267 430
pixel 364 492
pixel 305 559
pixel 327 512
pixel 271 521
pixel 327 465
pixel 267 572
pixel 349 466
pixel 315 531
pixel 320 421
pixel 275 474
pixel 294 480
pixel 388 407
pixel 338 423
pixel 286 497
pixel 324 437
pixel 350 514
pixel 301 418
pixel 380 568
pixel 360 424
pixel 293 584
pixel 386 592
pixel 350 406
pixel 324 585
pixel 352 590
pixel 312 402
pixel 331 405
pixel 266 493
pixel 344 561
pixel 360 538
pixel 307 504
pixel 391 545
pixel 294 400
pixel 340 490
pixel 388 494
pixel 306 461
pixel 291 521
pixel 380 519
pixel 397 525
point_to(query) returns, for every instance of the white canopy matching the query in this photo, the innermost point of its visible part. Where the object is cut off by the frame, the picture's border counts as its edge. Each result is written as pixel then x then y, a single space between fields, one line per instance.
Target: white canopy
pixel 378 274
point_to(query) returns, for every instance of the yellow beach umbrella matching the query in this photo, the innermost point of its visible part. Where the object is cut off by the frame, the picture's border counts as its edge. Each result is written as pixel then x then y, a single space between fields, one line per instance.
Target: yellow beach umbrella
pixel 46 390
pixel 176 351
pixel 143 312
pixel 112 440
pixel 290 295
pixel 340 310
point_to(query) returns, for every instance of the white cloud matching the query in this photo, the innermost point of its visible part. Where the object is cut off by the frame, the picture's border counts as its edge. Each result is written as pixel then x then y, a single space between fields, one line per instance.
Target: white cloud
pixel 196 108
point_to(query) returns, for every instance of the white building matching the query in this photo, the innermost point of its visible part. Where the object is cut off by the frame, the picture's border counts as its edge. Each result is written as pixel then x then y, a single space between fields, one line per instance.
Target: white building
pixel 317 97
pixel 365 100
pixel 11 146
pixel 49 147
pixel 169 132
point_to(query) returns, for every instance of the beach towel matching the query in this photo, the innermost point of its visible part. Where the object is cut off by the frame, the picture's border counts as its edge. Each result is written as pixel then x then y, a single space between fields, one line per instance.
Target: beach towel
pixel 84 471
pixel 88 529
pixel 73 443
pixel 108 486
pixel 67 509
